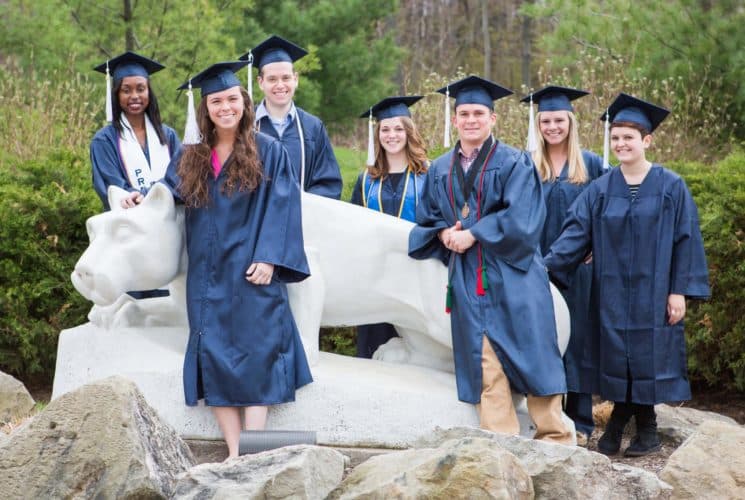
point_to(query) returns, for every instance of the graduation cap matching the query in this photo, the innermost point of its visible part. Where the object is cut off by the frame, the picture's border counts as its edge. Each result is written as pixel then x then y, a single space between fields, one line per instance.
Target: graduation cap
pixel 273 49
pixel 121 66
pixel 550 98
pixel 390 107
pixel 627 108
pixel 216 78
pixel 471 90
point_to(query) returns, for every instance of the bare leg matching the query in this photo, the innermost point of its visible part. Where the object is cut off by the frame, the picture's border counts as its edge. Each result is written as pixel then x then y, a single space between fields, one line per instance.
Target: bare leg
pixel 229 420
pixel 255 418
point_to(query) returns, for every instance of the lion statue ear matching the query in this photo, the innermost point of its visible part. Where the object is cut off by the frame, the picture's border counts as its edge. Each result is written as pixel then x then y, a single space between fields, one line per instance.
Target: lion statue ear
pixel 159 198
pixel 116 195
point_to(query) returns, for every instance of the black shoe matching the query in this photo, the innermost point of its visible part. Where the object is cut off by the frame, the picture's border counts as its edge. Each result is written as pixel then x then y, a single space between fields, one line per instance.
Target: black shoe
pixel 643 443
pixel 646 440
pixel 610 442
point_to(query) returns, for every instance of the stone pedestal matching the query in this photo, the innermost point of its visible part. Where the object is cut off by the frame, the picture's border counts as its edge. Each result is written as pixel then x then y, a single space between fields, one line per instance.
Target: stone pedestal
pixel 352 402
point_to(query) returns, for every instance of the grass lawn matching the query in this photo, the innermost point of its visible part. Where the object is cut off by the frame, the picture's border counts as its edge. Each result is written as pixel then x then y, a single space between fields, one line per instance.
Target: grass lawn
pixel 351 162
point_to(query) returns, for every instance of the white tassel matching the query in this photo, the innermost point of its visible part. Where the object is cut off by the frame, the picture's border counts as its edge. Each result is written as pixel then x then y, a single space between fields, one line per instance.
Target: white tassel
pixel 250 85
pixel 532 145
pixel 446 138
pixel 370 141
pixel 606 142
pixel 109 111
pixel 191 132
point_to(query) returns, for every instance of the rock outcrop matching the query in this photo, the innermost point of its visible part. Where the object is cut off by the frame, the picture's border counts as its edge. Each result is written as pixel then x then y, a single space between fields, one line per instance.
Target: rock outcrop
pixel 710 464
pixel 100 441
pixel 298 472
pixel 15 400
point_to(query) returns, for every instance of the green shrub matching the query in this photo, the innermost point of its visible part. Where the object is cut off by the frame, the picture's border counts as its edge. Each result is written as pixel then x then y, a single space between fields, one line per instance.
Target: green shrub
pixel 715 329
pixel 45 111
pixel 43 205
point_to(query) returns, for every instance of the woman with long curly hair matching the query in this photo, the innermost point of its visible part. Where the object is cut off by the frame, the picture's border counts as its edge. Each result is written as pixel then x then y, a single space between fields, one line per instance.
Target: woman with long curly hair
pixel 134 150
pixel 244 242
pixel 391 184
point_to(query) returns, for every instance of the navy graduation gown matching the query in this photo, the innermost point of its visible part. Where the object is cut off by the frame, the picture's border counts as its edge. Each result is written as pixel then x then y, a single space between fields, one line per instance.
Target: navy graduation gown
pixel 391 196
pixel 244 347
pixel 558 196
pixel 516 314
pixel 643 250
pixel 370 337
pixel 322 173
pixel 108 169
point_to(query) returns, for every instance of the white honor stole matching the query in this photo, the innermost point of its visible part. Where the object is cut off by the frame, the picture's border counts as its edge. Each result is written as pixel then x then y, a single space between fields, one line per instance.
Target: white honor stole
pixel 140 173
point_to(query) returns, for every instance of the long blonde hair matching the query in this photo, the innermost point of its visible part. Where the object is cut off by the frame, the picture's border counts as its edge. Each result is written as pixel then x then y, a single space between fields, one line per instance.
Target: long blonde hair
pixel 577 173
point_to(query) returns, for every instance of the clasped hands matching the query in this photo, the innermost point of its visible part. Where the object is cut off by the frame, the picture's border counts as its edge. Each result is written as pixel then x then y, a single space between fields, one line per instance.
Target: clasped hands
pixel 457 239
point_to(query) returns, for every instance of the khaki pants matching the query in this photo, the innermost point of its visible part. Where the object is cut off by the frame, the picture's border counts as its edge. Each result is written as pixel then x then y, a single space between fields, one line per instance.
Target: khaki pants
pixel 497 413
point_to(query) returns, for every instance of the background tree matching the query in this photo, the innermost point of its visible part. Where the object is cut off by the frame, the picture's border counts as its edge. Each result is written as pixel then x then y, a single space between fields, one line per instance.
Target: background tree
pixel 352 57
pixel 699 41
pixel 353 48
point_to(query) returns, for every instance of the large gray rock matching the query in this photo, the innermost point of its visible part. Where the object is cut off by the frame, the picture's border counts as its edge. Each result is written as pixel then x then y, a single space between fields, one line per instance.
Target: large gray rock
pixel 676 424
pixel 15 400
pixel 560 471
pixel 298 472
pixel 470 468
pixel 710 464
pixel 100 441
pixel 632 482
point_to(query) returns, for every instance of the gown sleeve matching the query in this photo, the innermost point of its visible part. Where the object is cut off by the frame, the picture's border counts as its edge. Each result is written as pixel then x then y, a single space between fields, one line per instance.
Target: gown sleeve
pixel 593 164
pixel 423 240
pixel 324 175
pixel 513 231
pixel 106 168
pixel 357 192
pixel 280 240
pixel 689 272
pixel 574 242
pixel 174 143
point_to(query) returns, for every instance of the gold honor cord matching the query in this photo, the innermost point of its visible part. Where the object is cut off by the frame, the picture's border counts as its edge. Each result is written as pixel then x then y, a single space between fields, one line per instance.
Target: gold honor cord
pixel 403 194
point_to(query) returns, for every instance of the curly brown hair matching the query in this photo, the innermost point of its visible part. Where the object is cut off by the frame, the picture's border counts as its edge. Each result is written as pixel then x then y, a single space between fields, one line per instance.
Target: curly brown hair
pixel 244 169
pixel 416 154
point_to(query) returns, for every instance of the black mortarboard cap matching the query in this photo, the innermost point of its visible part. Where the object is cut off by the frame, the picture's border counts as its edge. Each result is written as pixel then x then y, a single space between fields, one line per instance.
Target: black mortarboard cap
pixel 274 49
pixel 391 107
pixel 129 64
pixel 218 77
pixel 554 98
pixel 475 90
pixel 627 108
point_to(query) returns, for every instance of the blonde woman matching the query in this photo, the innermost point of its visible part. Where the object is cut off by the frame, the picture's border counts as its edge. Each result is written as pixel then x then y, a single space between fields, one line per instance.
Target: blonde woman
pixel 565 171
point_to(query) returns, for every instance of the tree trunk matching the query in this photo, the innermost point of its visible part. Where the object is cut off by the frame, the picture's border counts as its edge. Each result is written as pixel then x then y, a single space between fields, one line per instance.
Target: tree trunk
pixel 487 38
pixel 129 36
pixel 526 48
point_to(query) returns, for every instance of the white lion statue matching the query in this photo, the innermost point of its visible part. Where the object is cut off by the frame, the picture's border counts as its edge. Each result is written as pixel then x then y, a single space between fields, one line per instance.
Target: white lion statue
pixel 360 273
